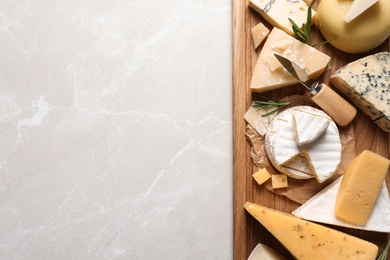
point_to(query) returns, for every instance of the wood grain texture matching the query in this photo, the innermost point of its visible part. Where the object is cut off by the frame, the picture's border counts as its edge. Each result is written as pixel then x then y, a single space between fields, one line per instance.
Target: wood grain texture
pixel 247 231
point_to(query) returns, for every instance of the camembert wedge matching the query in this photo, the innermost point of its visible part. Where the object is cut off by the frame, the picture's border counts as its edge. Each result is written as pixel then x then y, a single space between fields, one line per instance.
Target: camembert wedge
pixel 307 240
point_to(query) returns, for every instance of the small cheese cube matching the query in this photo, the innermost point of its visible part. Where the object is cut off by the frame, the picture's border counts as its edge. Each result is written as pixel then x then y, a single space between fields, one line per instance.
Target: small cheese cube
pixel 360 187
pixel 259 33
pixel 261 176
pixel 279 181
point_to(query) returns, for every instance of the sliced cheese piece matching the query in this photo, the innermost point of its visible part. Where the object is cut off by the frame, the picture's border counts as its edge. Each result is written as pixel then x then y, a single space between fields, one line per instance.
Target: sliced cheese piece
pixel 263 252
pixel 360 187
pixel 279 181
pixel 307 240
pixel 366 82
pixel 366 32
pixel 308 127
pixel 259 33
pixel 357 8
pixel 261 176
pixel 276 12
pixel 255 118
pixel 322 155
pixel 268 73
pixel 320 208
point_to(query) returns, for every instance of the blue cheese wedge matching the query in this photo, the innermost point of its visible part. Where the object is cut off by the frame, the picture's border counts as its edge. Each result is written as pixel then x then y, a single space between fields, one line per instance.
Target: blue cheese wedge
pixel 320 208
pixel 319 158
pixel 366 82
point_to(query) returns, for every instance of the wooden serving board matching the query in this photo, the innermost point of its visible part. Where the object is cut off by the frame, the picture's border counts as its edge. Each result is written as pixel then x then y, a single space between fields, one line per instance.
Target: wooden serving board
pixel 247 231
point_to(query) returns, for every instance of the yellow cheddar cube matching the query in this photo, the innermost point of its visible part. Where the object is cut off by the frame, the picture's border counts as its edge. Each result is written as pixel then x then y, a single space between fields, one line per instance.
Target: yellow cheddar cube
pixel 279 181
pixel 259 33
pixel 360 187
pixel 308 240
pixel 261 176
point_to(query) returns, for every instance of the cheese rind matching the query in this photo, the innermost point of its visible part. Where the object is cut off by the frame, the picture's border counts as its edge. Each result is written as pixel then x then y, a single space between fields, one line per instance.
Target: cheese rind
pixel 308 127
pixel 366 82
pixel 307 240
pixel 268 73
pixel 261 176
pixel 360 187
pixel 277 11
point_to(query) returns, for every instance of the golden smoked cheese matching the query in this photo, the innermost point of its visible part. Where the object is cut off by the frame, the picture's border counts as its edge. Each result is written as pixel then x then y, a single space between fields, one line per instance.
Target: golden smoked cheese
pixel 308 240
pixel 360 187
pixel 364 33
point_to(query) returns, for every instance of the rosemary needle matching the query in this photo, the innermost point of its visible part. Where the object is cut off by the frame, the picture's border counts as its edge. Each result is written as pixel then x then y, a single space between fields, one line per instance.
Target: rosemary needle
pixel 269 103
pixel 383 255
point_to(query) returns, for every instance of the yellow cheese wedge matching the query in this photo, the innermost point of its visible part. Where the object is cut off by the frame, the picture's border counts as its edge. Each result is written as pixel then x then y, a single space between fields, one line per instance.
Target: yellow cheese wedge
pixel 279 181
pixel 261 176
pixel 268 73
pixel 364 33
pixel 360 187
pixel 259 33
pixel 307 240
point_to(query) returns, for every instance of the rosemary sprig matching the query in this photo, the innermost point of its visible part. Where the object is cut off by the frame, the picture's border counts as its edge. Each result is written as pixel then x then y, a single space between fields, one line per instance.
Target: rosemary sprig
pixel 269 103
pixel 303 34
pixel 383 255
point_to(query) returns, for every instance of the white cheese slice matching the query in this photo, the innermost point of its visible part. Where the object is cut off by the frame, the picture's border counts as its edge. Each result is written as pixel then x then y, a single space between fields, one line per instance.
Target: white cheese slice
pixel 322 156
pixel 320 208
pixel 255 118
pixel 308 127
pixel 276 12
pixel 357 8
pixel 263 252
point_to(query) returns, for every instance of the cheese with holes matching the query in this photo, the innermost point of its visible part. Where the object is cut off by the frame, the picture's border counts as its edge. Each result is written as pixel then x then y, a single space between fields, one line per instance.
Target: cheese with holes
pixel 308 127
pixel 366 82
pixel 279 181
pixel 263 252
pixel 357 8
pixel 320 208
pixel 259 33
pixel 268 73
pixel 360 187
pixel 277 12
pixel 307 240
pixel 322 156
pixel 261 176
pixel 364 33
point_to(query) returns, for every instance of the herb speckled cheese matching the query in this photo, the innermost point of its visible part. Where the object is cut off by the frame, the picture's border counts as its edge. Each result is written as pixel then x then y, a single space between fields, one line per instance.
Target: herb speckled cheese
pixel 366 82
pixel 307 240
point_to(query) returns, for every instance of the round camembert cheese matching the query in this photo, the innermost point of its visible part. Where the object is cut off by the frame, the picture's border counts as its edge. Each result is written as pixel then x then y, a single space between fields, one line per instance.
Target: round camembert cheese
pixel 318 159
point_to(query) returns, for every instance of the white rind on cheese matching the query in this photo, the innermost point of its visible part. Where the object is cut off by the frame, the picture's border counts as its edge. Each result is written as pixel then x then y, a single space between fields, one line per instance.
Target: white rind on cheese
pixel 277 12
pixel 268 73
pixel 320 208
pixel 307 127
pixel 322 156
pixel 366 82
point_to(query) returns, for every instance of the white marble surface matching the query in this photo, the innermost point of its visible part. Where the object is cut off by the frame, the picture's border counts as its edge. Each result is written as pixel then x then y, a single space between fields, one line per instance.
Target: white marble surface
pixel 115 129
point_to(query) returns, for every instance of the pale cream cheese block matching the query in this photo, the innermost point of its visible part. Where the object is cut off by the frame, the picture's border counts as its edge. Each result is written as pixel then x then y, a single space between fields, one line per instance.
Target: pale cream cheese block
pixel 320 208
pixel 308 127
pixel 357 8
pixel 259 34
pixel 269 74
pixel 322 155
pixel 255 118
pixel 277 12
pixel 366 82
pixel 263 252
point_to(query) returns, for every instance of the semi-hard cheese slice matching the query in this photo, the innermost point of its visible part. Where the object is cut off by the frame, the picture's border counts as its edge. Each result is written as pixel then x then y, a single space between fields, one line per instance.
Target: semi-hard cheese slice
pixel 268 73
pixel 263 252
pixel 366 82
pixel 360 187
pixel 357 8
pixel 322 155
pixel 364 33
pixel 276 12
pixel 259 33
pixel 320 208
pixel 307 240
pixel 255 118
pixel 308 127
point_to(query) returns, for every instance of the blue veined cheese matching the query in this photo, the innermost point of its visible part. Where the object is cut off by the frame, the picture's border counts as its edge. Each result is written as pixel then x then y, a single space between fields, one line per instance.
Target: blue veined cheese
pixel 366 82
